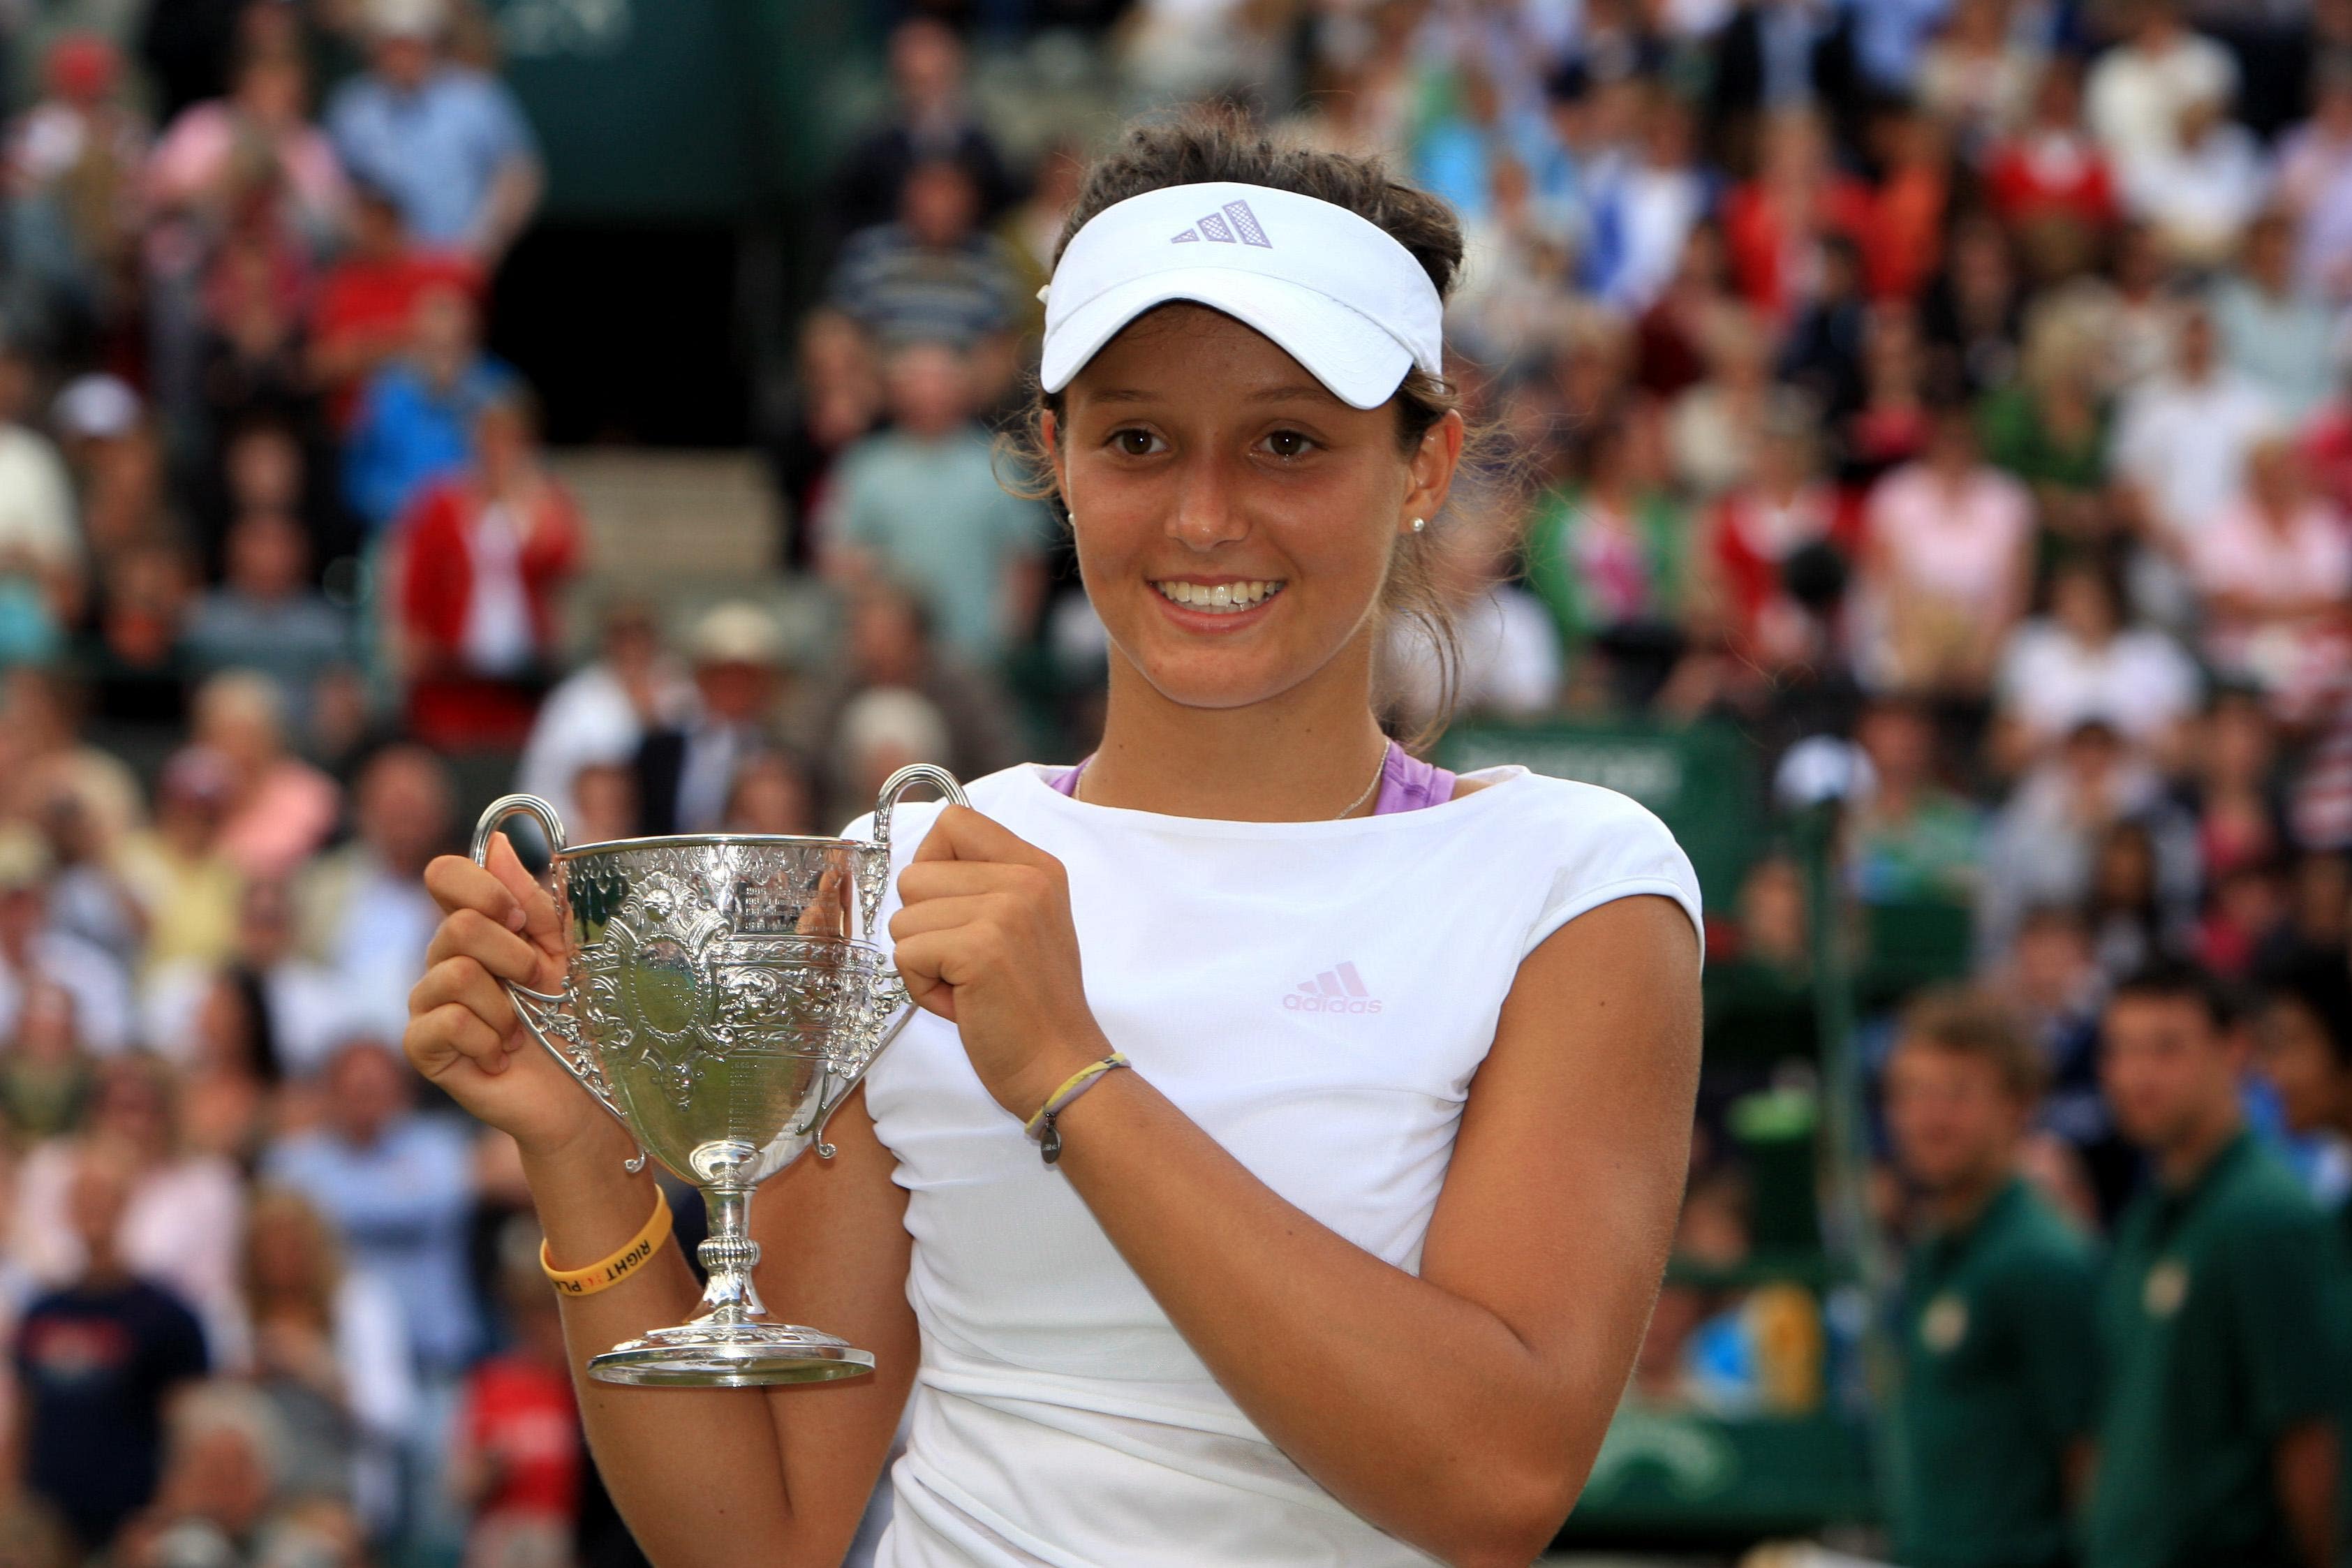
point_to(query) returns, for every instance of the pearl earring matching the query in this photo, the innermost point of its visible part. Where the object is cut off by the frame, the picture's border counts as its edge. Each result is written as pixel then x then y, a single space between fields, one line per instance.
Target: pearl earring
pixel 1419 524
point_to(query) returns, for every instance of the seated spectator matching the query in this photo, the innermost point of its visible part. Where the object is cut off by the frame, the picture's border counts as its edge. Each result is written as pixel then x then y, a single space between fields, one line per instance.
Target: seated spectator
pixel 1713 428
pixel 186 885
pixel 2199 195
pixel 2080 662
pixel 2052 985
pixel 1774 224
pixel 2140 91
pixel 887 641
pixel 280 809
pixel 1890 427
pixel 1505 660
pixel 216 154
pixel 362 908
pixel 222 1465
pixel 43 757
pixel 1913 840
pixel 1609 557
pixel 73 161
pixel 774 793
pixel 1652 208
pixel 604 804
pixel 145 589
pixel 1945 566
pixel 2302 1049
pixel 111 452
pixel 931 118
pixel 1754 533
pixel 265 617
pixel 882 729
pixel 481 558
pixel 519 1450
pixel 599 714
pixel 180 1223
pixel 2050 170
pixel 1978 76
pixel 40 535
pixel 2273 332
pixel 2315 183
pixel 330 1355
pixel 414 420
pixel 97 1359
pixel 836 401
pixel 1822 354
pixel 2181 439
pixel 366 301
pixel 1972 311
pixel 920 504
pixel 398 1185
pixel 448 140
pixel 33 948
pixel 2232 783
pixel 2043 846
pixel 933 275
pixel 2052 424
pixel 686 769
pixel 88 895
pixel 45 1076
pixel 2273 570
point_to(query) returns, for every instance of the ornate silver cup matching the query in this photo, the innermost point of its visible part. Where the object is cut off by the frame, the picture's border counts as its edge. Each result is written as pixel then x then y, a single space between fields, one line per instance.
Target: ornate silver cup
pixel 723 997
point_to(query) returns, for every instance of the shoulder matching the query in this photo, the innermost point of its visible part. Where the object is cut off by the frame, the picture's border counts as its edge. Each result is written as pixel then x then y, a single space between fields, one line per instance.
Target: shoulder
pixel 1594 845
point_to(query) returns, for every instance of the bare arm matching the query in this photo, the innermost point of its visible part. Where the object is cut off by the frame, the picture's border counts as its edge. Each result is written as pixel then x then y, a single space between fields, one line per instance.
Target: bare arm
pixel 514 195
pixel 800 1461
pixel 1460 1408
pixel 2304 1465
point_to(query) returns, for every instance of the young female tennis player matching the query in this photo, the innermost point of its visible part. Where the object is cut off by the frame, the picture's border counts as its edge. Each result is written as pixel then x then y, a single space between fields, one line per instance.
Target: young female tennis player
pixel 1348 1264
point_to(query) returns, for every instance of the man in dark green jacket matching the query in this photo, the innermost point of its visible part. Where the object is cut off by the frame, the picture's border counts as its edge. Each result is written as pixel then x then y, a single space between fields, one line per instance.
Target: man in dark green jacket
pixel 2000 1373
pixel 2217 1438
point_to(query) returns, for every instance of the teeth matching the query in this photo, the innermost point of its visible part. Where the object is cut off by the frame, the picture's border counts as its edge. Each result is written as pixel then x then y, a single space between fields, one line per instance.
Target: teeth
pixel 1227 597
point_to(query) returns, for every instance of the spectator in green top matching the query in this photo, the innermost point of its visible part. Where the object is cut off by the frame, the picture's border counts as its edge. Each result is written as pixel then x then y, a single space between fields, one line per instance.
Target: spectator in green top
pixel 1914 840
pixel 919 504
pixel 2219 1312
pixel 1998 1322
pixel 1608 555
pixel 2052 427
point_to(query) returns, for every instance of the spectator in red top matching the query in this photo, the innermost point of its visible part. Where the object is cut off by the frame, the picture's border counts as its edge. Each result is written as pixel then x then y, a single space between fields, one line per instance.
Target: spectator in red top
pixel 517 1438
pixel 1774 224
pixel 366 303
pixel 480 559
pixel 1759 528
pixel 2051 169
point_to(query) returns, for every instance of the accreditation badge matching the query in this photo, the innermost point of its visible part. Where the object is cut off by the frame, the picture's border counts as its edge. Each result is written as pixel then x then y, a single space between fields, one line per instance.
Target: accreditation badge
pixel 1944 1324
pixel 2167 1287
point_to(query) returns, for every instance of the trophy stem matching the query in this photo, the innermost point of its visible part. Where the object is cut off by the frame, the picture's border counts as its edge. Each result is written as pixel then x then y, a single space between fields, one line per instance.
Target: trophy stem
pixel 729 1255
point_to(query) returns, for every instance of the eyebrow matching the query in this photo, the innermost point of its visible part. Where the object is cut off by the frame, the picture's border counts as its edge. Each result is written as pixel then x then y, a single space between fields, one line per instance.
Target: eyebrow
pixel 1283 392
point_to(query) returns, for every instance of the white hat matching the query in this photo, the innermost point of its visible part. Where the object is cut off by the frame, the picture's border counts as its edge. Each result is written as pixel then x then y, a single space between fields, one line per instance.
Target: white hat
pixel 1340 296
pixel 737 632
pixel 407 18
pixel 97 407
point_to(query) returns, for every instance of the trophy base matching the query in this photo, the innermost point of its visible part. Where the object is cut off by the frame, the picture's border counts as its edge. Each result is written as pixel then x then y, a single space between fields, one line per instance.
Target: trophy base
pixel 730 1355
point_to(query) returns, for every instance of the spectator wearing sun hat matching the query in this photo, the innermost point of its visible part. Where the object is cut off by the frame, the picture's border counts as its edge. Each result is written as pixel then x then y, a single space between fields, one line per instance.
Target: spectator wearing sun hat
pixel 685 769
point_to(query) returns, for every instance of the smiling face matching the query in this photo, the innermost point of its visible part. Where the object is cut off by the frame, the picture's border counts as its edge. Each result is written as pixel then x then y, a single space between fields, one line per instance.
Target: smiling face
pixel 1235 521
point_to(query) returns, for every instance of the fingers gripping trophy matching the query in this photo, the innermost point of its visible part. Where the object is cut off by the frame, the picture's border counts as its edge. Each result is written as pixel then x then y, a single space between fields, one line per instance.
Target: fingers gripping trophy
pixel 722 996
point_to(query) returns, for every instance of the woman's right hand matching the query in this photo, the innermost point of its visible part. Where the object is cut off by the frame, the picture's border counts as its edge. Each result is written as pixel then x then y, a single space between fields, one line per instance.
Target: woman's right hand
pixel 497 924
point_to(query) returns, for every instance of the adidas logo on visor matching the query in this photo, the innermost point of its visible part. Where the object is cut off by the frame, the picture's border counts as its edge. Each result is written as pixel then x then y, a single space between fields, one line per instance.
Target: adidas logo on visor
pixel 1234 224
pixel 1338 989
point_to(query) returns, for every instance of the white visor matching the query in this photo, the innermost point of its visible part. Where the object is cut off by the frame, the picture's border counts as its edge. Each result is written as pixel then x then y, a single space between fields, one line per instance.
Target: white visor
pixel 1340 296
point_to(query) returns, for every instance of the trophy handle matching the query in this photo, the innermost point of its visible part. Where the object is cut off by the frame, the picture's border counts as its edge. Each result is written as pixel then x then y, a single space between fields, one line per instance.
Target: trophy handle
pixel 545 1013
pixel 887 1006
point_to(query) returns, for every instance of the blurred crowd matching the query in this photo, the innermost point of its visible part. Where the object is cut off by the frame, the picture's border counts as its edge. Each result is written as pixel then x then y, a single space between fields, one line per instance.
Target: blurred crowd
pixel 1967 380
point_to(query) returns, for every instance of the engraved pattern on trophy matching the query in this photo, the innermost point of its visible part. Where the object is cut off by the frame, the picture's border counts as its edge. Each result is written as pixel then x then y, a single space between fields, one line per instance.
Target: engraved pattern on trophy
pixel 721 999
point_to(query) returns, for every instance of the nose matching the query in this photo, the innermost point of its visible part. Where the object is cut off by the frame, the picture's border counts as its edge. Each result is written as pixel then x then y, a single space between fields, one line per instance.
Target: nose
pixel 1208 511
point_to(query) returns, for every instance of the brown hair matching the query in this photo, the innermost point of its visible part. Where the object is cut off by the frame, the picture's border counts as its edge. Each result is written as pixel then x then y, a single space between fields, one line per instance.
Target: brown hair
pixel 1209 144
pixel 1954 1018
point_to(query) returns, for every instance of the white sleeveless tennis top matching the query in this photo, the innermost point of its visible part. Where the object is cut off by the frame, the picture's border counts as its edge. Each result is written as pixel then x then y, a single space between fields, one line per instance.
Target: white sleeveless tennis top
pixel 1317 996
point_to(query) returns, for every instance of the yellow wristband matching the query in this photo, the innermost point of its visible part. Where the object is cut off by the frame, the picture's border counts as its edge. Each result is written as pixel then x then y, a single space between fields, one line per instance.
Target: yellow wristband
pixel 1041 1126
pixel 621 1265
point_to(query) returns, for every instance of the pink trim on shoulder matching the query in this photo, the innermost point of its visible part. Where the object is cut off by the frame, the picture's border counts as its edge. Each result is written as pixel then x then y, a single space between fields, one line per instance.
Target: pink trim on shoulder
pixel 1407 783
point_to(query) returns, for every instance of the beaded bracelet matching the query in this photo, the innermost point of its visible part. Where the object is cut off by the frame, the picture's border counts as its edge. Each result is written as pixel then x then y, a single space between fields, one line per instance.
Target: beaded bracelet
pixel 621 1265
pixel 1041 1126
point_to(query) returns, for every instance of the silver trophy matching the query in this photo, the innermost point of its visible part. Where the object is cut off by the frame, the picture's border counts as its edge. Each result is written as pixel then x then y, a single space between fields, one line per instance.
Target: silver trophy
pixel 723 997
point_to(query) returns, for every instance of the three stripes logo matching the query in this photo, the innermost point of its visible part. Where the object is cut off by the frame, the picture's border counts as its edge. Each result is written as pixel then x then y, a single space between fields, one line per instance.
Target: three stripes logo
pixel 1233 224
pixel 1338 989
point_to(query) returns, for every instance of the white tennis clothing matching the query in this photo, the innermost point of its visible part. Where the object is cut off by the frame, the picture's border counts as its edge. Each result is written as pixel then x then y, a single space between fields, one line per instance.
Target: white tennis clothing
pixel 1317 996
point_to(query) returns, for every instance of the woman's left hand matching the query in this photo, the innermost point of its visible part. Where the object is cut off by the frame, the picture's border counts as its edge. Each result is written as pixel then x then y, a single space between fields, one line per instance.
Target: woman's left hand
pixel 985 941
